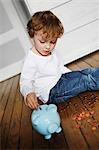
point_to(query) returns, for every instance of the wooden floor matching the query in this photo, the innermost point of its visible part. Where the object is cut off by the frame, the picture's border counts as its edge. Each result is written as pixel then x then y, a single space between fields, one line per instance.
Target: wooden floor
pixel 79 118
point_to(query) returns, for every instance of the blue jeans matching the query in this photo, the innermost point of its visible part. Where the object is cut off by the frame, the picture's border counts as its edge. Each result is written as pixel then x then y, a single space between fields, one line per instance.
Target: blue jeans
pixel 72 83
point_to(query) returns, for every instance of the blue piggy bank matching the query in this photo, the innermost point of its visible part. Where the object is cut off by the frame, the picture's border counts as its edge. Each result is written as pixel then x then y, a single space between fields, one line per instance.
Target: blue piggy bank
pixel 46 120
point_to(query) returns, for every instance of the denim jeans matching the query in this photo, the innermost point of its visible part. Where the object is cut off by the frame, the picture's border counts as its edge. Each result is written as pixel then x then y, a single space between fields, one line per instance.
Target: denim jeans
pixel 72 83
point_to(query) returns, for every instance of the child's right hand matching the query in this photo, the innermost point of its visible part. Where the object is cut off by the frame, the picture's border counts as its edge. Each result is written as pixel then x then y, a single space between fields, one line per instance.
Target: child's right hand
pixel 31 101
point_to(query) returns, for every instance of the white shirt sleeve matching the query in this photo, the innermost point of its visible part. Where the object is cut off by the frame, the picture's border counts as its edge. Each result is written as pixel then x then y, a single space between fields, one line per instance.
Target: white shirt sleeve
pixel 27 76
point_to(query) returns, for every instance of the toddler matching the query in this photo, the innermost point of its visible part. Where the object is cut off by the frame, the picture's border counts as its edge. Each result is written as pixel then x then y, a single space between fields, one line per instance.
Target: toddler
pixel 44 76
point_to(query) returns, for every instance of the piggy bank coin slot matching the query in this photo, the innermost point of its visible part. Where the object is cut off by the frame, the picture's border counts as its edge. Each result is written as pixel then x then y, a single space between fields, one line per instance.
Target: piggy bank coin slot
pixel 39 108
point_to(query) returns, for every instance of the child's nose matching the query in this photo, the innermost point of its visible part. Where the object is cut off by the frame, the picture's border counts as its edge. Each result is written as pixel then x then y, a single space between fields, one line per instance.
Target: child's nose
pixel 47 45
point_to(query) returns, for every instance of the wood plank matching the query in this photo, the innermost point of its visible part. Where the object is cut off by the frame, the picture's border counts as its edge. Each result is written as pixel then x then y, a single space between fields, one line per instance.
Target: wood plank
pixel 72 66
pixel 39 142
pixel 14 131
pixel 25 129
pixel 4 94
pixel 58 141
pixel 91 102
pixel 96 108
pixel 2 89
pixel 93 61
pixel 3 86
pixel 84 118
pixel 4 97
pixel 8 111
pixel 72 135
pixel 82 65
pixel 94 56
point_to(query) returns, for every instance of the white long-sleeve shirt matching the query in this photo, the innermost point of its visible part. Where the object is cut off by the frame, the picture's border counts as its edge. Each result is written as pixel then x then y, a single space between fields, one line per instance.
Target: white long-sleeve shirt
pixel 40 74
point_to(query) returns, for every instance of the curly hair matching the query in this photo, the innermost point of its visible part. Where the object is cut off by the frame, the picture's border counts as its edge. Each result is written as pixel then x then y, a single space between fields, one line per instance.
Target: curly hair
pixel 47 22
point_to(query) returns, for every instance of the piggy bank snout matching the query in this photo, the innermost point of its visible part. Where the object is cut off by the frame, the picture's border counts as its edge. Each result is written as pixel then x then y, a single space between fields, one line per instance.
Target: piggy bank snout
pixel 52 128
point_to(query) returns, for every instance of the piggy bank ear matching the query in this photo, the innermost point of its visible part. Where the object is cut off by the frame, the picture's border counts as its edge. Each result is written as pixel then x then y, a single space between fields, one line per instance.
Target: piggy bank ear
pixel 52 107
pixel 34 118
pixel 36 121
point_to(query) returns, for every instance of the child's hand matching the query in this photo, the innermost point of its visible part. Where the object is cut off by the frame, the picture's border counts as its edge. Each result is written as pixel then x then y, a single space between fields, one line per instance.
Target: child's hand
pixel 32 101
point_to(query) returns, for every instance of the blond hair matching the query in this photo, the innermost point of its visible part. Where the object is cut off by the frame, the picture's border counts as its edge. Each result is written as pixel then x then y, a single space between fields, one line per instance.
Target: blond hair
pixel 47 22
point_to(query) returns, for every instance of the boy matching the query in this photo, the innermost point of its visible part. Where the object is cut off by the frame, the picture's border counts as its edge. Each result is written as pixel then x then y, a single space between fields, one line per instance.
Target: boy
pixel 43 75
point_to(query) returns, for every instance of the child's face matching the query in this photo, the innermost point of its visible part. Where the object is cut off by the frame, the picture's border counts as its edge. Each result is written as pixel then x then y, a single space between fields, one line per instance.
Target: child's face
pixel 42 46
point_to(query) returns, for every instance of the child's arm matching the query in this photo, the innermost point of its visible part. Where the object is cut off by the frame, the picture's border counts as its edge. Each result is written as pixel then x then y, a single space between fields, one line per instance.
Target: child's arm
pixel 27 90
pixel 27 80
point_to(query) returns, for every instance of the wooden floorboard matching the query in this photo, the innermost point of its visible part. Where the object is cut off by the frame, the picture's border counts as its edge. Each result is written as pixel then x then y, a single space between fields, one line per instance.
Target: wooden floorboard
pixel 79 117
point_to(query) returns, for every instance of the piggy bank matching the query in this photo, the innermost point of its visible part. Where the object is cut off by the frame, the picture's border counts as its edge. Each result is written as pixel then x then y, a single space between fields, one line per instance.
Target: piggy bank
pixel 46 120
